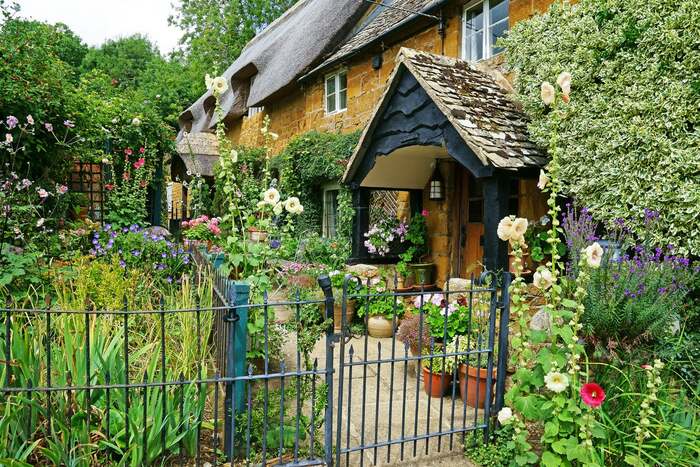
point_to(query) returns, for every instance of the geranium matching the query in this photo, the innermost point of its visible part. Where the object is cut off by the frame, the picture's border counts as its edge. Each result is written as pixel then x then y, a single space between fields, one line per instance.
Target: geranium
pixel 556 381
pixel 11 121
pixel 49 127
pixel 592 395
pixel 30 119
pixel 8 138
pixel 43 194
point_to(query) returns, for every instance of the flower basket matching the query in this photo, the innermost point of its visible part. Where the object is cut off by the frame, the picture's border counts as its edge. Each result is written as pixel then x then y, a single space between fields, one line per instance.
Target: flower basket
pixel 436 384
pixel 472 385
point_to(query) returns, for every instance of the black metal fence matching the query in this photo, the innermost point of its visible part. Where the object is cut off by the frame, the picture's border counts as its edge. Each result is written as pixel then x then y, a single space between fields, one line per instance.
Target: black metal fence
pixel 266 381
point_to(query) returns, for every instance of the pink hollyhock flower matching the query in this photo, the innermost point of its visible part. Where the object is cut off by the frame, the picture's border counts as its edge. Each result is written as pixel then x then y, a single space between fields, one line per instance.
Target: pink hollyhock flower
pixel 128 151
pixel 139 163
pixel 185 224
pixel 425 213
pixel 142 150
pixel 592 394
pixel 109 187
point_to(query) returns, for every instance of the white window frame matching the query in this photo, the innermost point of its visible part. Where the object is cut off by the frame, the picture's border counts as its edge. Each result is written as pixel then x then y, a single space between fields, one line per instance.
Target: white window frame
pixel 336 79
pixel 324 227
pixel 486 29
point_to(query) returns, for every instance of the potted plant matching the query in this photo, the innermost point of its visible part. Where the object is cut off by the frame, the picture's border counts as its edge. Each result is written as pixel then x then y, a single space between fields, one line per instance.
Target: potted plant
pixel 437 374
pixel 413 260
pixel 202 230
pixel 473 376
pixel 381 310
pixel 414 333
pixel 337 280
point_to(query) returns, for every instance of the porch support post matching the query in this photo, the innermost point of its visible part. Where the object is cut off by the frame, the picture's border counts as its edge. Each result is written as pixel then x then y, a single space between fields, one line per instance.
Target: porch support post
pixel 360 225
pixel 496 193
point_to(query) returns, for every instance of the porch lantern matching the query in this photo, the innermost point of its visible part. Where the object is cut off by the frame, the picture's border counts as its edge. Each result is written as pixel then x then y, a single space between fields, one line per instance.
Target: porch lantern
pixel 437 184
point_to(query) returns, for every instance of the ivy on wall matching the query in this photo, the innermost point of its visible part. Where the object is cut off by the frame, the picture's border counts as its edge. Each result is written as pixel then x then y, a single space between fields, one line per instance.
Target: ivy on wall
pixel 632 141
pixel 309 162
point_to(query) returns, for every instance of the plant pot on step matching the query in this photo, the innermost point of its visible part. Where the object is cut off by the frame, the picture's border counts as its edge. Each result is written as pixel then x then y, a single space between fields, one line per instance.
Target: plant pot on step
pixel 257 236
pixel 338 314
pixel 436 384
pixel 422 273
pixel 380 327
pixel 472 385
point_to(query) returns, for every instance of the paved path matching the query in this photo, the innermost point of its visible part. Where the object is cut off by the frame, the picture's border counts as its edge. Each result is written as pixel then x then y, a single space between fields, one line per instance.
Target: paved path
pixel 381 402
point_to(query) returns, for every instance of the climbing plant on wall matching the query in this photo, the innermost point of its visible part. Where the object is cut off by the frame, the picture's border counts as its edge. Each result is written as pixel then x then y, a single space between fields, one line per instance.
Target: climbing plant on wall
pixel 309 162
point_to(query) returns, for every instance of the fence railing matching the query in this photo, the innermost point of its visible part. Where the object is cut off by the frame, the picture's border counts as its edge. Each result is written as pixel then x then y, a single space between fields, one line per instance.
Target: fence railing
pixel 264 380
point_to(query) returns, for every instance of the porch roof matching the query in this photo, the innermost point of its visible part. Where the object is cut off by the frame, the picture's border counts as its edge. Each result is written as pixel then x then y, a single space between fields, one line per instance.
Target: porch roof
pixel 488 121
pixel 199 152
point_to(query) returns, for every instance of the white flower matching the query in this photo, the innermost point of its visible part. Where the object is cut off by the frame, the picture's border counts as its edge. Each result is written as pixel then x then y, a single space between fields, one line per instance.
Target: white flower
pixel 208 81
pixel 30 119
pixel 505 228
pixel 542 279
pixel 293 206
pixel 218 85
pixel 556 382
pixel 519 229
pixel 8 138
pixel 543 181
pixel 40 222
pixel 564 82
pixel 505 416
pixel 274 136
pixel 271 196
pixel 136 121
pixel 105 161
pixel 261 204
pixel 234 156
pixel 547 93
pixel 279 207
pixel 594 254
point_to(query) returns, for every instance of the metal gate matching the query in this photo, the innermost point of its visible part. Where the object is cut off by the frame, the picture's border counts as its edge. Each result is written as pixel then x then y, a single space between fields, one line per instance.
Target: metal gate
pixel 384 410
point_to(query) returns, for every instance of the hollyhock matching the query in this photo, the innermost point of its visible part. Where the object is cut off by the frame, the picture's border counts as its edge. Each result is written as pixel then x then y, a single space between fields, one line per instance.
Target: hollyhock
pixel 542 279
pixel 519 229
pixel 505 416
pixel 142 150
pixel 547 93
pixel 564 82
pixel 271 196
pixel 128 151
pixel 139 163
pixel 594 255
pixel 543 181
pixel 592 394
pixel 425 213
pixel 505 229
pixel 218 85
pixel 136 121
pixel 109 187
pixel 556 382
pixel 234 156
pixel 62 189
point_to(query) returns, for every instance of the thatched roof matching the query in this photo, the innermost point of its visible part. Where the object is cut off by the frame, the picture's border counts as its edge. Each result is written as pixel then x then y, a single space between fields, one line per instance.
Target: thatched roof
pixel 199 152
pixel 275 58
pixel 491 124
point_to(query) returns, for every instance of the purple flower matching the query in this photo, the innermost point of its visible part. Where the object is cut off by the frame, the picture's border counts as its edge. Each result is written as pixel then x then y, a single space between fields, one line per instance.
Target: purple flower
pixel 163 255
pixel 12 121
pixel 275 243
pixel 122 263
pixel 135 253
pixel 169 279
pixel 69 123
pixel 49 127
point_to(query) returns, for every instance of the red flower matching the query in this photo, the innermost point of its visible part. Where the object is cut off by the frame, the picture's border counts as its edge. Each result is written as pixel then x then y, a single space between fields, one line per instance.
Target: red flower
pixel 142 150
pixel 139 163
pixel 592 395
pixel 128 151
pixel 109 187
pixel 425 213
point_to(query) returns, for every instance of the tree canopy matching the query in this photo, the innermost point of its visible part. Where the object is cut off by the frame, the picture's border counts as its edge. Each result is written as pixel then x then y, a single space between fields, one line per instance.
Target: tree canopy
pixel 631 137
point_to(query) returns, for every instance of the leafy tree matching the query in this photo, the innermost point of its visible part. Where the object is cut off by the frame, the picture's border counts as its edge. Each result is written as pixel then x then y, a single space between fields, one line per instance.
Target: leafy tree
pixel 631 140
pixel 216 31
pixel 124 60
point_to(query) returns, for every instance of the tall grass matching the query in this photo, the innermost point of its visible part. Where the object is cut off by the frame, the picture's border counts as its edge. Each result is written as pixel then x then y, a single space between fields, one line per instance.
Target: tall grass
pixel 80 427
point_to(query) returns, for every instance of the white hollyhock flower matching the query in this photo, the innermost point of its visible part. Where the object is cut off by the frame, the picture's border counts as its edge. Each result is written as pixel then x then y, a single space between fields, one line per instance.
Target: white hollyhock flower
pixel 543 181
pixel 547 93
pixel 208 81
pixel 279 207
pixel 234 156
pixel 218 85
pixel 519 229
pixel 261 204
pixel 136 121
pixel 556 382
pixel 274 136
pixel 594 255
pixel 271 196
pixel 505 416
pixel 564 82
pixel 293 206
pixel 542 279
pixel 505 228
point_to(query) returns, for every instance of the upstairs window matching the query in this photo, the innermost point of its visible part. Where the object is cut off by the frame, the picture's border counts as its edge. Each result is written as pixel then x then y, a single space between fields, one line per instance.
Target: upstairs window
pixel 483 23
pixel 336 92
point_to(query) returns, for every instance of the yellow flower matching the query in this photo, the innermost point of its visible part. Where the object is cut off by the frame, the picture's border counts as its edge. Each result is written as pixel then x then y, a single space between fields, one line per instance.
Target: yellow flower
pixel 293 206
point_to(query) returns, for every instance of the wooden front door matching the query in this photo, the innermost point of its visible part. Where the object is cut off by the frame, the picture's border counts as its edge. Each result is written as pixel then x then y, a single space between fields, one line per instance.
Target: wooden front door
pixel 471 228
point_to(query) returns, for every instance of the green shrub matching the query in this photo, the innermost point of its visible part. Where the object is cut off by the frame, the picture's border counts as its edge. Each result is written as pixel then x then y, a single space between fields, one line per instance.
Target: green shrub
pixel 631 139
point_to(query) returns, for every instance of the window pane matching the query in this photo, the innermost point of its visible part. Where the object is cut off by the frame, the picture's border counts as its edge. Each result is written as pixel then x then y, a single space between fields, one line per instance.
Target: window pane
pixel 330 212
pixel 498 10
pixel 475 19
pixel 330 85
pixel 498 30
pixel 330 103
pixel 343 95
pixel 343 81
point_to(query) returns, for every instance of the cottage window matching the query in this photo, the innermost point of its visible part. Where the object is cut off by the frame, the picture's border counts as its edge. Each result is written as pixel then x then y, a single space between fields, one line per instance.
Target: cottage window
pixel 336 92
pixel 483 23
pixel 330 210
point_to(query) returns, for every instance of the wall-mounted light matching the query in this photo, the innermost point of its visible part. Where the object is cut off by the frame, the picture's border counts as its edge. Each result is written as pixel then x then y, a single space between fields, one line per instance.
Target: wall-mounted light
pixel 437 184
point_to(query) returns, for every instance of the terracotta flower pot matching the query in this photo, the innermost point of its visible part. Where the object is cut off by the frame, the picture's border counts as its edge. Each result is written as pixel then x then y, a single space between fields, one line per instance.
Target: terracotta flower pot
pixel 338 314
pixel 471 381
pixel 436 384
pixel 379 326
